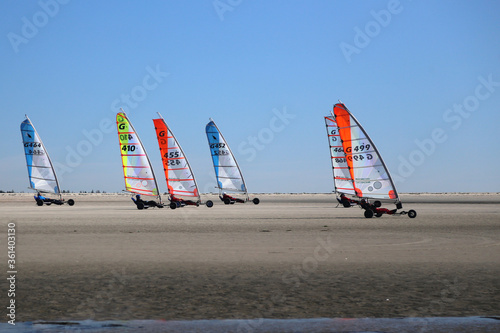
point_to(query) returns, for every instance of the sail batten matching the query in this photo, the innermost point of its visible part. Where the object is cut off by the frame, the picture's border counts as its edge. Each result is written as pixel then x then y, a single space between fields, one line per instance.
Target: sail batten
pixel 178 174
pixel 41 173
pixel 137 170
pixel 227 170
pixel 358 168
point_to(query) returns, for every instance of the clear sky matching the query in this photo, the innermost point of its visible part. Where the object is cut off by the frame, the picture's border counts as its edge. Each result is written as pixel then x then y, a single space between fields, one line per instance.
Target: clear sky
pixel 422 77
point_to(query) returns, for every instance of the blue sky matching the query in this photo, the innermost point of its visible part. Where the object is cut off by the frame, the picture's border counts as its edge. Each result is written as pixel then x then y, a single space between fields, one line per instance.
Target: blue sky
pixel 422 77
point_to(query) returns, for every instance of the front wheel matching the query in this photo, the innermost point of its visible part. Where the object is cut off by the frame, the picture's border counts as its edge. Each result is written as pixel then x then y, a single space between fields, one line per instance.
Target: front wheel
pixel 412 214
pixel 71 202
pixel 368 214
pixel 209 203
pixel 256 201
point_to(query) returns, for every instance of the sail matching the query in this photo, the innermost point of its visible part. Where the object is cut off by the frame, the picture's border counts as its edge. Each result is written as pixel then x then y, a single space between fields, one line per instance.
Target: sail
pixel 341 175
pixel 178 174
pixel 227 171
pixel 41 173
pixel 137 169
pixel 369 175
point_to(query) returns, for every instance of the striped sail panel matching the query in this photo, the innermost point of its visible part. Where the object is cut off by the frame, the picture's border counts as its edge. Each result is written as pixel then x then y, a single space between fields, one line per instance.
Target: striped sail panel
pixel 40 170
pixel 227 172
pixel 137 170
pixel 341 176
pixel 178 174
pixel 370 176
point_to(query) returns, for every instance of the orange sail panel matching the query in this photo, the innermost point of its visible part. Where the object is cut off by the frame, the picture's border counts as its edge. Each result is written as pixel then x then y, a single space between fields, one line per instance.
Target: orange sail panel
pixel 370 177
pixel 137 170
pixel 178 174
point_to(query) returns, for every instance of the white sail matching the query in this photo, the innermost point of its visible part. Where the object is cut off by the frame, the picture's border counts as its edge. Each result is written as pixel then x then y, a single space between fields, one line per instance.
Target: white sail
pixel 227 171
pixel 369 176
pixel 341 176
pixel 178 173
pixel 41 172
pixel 137 170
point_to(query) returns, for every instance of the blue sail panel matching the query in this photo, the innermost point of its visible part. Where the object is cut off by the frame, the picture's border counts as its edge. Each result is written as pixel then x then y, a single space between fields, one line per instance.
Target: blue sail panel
pixel 40 170
pixel 227 172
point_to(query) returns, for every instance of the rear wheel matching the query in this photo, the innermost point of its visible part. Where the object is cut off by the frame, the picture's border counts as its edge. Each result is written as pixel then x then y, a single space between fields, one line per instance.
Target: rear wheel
pixel 368 214
pixel 377 204
pixel 173 205
pixel 39 202
pixel 256 201
pixel 209 203
pixel 227 201
pixel 71 202
pixel 378 214
pixel 412 214
pixel 140 205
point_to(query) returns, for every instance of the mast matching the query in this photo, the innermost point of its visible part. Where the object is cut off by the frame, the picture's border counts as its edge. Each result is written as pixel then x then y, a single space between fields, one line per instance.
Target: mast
pixel 184 155
pixel 351 130
pixel 331 157
pixel 376 150
pixel 234 159
pixel 342 177
pixel 48 158
pixel 145 153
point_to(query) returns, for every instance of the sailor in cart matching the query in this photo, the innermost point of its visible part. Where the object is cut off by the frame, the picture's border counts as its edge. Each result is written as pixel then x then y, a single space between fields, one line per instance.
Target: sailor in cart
pixel 227 196
pixel 187 202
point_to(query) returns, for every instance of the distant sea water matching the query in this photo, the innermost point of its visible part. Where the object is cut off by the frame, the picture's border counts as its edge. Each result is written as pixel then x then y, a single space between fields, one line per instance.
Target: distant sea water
pixel 317 325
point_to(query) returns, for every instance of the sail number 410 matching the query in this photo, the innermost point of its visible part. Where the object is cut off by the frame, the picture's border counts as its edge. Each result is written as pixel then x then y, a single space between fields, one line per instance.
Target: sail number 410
pixel 128 148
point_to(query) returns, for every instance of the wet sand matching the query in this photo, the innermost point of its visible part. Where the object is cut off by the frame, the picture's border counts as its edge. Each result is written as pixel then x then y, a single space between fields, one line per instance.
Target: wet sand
pixel 292 256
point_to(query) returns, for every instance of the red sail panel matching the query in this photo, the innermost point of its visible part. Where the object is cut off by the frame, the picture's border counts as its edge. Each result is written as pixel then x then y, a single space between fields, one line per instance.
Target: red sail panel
pixel 178 174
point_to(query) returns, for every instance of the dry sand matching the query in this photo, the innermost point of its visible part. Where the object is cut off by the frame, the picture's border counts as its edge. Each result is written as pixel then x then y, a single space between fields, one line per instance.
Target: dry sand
pixel 292 256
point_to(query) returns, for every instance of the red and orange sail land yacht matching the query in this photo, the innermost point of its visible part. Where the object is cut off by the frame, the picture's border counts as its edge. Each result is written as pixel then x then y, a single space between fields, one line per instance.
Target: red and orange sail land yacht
pixel 359 172
pixel 181 183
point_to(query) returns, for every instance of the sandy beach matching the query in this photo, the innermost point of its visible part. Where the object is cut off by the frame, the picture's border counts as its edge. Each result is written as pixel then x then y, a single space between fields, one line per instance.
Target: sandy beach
pixel 292 256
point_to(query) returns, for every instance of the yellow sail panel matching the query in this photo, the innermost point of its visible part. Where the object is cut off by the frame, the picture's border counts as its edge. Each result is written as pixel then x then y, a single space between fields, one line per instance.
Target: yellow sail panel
pixel 138 173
